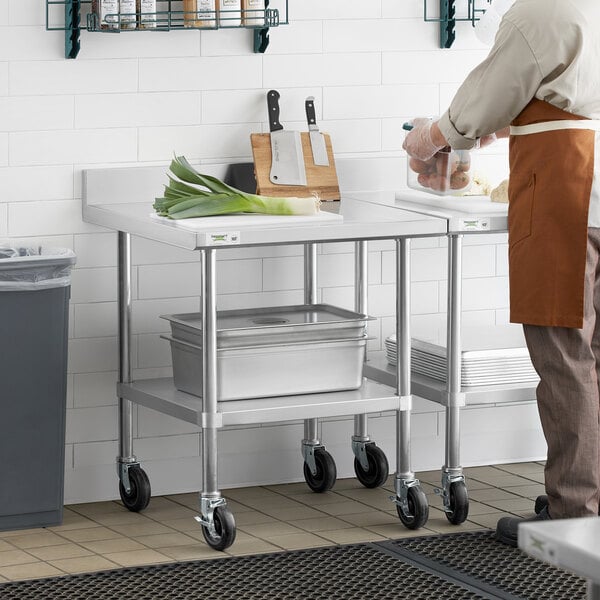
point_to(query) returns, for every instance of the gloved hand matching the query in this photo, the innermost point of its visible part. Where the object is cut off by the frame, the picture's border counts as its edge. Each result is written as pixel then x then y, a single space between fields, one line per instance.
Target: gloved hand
pixel 486 140
pixel 418 142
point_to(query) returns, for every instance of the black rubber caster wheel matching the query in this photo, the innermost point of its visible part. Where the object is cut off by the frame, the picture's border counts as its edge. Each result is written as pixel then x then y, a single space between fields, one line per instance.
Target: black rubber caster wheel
pixel 459 503
pixel 138 497
pixel 378 467
pixel 324 479
pixel 540 503
pixel 224 534
pixel 418 508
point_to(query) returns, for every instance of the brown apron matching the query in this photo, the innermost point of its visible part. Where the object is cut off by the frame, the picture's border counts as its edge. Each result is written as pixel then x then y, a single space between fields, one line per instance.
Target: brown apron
pixel 551 174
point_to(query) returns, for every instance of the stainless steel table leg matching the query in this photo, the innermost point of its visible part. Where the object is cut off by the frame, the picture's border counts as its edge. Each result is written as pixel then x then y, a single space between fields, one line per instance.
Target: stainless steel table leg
pixel 453 490
pixel 319 467
pixel 410 499
pixel 370 464
pixel 217 521
pixel 134 486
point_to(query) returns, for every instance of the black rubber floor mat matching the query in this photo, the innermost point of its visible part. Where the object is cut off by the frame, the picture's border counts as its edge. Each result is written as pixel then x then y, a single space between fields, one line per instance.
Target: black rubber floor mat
pixel 477 559
pixel 334 573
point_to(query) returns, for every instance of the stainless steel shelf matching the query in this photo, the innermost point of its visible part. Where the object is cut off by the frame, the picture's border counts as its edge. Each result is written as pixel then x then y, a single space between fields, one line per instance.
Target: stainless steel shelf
pixel 378 369
pixel 162 396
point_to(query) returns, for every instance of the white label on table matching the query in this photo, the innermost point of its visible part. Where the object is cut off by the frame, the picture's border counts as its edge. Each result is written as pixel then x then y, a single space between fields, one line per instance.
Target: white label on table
pixel 475 224
pixel 222 238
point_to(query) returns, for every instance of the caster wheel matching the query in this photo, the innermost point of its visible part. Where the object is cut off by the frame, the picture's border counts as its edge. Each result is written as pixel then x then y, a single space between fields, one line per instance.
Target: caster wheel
pixel 378 467
pixel 139 495
pixel 224 534
pixel 417 506
pixel 324 479
pixel 459 503
pixel 540 503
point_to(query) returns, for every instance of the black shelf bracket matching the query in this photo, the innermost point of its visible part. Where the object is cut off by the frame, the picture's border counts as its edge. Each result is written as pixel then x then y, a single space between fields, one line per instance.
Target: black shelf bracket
pixel 447 23
pixel 72 28
pixel 261 36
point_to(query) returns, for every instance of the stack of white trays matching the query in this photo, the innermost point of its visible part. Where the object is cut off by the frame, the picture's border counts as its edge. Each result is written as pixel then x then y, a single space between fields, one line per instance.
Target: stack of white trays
pixel 491 355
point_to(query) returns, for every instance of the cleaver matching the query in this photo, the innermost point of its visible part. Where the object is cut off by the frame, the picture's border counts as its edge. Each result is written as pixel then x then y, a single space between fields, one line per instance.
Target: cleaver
pixel 317 141
pixel 287 158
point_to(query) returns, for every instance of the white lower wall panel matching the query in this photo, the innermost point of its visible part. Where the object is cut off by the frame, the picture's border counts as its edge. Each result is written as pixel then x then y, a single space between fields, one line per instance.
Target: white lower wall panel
pixel 271 454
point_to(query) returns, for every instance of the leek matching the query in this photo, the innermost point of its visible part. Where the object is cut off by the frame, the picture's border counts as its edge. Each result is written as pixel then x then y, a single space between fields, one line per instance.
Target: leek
pixel 183 199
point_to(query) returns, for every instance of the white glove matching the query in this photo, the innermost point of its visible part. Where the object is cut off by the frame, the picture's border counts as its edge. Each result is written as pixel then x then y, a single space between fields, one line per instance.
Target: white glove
pixel 486 140
pixel 418 142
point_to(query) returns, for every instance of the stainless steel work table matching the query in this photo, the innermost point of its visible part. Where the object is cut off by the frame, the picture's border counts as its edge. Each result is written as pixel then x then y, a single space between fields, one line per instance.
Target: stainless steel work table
pixel 121 199
pixel 463 216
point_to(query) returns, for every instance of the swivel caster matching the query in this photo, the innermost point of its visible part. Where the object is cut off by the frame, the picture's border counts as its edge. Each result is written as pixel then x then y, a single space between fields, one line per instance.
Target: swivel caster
pixel 378 469
pixel 325 472
pixel 458 503
pixel 415 511
pixel 138 496
pixel 222 533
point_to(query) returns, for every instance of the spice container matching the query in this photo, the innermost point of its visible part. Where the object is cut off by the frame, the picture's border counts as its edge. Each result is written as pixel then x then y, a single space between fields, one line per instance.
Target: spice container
pixel 230 13
pixel 200 13
pixel 447 173
pixel 127 14
pixel 107 12
pixel 146 10
pixel 253 12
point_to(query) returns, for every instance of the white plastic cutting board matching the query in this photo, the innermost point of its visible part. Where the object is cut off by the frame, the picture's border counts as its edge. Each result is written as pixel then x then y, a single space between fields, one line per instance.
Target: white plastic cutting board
pixel 481 205
pixel 247 220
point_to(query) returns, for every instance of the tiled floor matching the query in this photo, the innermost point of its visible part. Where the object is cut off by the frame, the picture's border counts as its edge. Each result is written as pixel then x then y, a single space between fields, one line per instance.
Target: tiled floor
pixel 105 535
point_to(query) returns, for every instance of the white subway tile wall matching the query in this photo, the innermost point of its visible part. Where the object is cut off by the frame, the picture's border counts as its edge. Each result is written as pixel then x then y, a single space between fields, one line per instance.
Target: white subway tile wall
pixel 136 99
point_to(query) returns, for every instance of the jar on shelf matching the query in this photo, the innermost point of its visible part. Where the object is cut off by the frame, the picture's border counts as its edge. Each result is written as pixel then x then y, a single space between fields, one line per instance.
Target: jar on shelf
pixel 200 13
pixel 127 14
pixel 253 12
pixel 230 13
pixel 107 13
pixel 146 10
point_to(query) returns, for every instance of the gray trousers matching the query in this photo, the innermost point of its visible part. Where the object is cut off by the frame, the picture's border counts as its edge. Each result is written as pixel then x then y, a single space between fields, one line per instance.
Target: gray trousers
pixel 568 363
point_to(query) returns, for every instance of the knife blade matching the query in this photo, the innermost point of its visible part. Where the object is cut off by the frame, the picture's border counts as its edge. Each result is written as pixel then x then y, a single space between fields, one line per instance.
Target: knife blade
pixel 317 141
pixel 287 158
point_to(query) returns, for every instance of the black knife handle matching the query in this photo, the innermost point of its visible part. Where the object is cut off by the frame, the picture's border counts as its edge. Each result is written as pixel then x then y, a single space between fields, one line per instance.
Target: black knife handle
pixel 310 111
pixel 273 106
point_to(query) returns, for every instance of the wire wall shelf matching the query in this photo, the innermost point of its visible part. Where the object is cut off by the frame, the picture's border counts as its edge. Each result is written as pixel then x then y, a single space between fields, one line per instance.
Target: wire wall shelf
pixel 78 16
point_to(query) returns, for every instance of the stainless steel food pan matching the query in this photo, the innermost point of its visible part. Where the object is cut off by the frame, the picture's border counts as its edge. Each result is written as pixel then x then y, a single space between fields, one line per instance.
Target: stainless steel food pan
pixel 272 370
pixel 273 325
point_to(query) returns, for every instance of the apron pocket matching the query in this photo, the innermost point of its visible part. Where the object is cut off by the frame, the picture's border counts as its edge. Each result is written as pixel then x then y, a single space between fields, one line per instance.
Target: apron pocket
pixel 521 194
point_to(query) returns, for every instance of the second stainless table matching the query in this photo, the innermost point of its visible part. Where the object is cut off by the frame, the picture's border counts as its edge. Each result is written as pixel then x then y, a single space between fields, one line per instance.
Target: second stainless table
pixel 463 216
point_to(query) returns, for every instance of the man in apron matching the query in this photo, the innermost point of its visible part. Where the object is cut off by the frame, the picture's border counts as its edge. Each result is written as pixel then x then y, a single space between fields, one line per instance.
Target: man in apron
pixel 542 79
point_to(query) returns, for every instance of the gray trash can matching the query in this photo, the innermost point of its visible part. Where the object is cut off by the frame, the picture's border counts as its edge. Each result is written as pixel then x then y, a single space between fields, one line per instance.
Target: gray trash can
pixel 35 287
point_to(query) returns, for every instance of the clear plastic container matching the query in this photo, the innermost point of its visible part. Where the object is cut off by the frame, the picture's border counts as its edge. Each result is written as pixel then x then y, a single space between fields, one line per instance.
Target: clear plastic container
pixel 447 173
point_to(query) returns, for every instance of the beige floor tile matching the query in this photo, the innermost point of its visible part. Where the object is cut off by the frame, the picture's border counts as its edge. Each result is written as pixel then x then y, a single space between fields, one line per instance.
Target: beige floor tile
pixel 171 512
pixel 478 508
pixel 320 524
pixel 298 541
pixel 442 525
pixel 117 519
pixel 369 519
pixel 197 551
pixel 512 505
pixel 317 500
pixel 488 521
pixel 528 491
pixel 37 539
pixel 291 489
pixel 251 517
pixel 268 530
pixel 15 557
pixel 137 557
pixel 345 507
pixel 148 527
pixel 524 469
pixel 354 535
pixel 251 545
pixel 250 494
pixel 166 539
pixel 97 508
pixel 396 530
pixel 30 571
pixel 58 552
pixel 489 494
pixel 502 480
pixel 85 564
pixel 90 535
pixel 120 544
pixel 73 520
pixel 4 545
pixel 377 499
pixel 285 514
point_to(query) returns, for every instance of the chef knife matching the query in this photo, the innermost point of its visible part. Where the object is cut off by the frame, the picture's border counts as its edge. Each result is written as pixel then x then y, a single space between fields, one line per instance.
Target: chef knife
pixel 287 158
pixel 317 141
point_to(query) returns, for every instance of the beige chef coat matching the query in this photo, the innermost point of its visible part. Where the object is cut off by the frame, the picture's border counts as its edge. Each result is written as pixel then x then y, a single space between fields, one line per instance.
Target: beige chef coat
pixel 547 49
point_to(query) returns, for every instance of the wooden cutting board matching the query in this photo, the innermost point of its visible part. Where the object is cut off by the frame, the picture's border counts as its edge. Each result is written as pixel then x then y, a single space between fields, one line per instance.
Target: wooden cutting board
pixel 320 179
